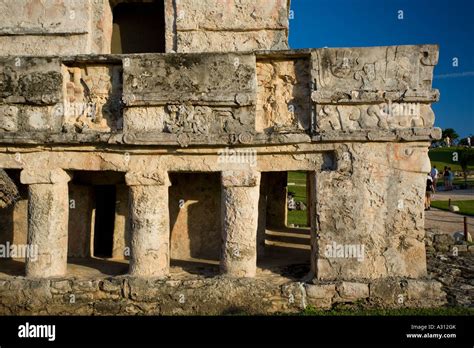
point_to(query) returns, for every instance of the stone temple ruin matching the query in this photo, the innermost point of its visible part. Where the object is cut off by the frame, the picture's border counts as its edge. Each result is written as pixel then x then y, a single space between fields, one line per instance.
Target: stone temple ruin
pixel 123 125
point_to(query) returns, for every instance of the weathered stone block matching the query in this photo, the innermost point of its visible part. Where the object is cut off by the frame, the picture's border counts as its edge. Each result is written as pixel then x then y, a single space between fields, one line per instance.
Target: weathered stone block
pixel 85 285
pixel 425 293
pixel 7 82
pixel 390 292
pixel 353 291
pixel 41 87
pixel 108 308
pixel 111 285
pixel 443 242
pixel 8 118
pixel 163 79
pixel 30 80
pixel 145 119
pixel 142 291
pixel 60 286
pixel 388 68
pixel 320 290
pixel 320 295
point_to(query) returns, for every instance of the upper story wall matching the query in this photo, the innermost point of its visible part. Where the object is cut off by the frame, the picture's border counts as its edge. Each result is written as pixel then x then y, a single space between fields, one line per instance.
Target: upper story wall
pixel 328 94
pixel 49 27
pixel 69 27
pixel 227 25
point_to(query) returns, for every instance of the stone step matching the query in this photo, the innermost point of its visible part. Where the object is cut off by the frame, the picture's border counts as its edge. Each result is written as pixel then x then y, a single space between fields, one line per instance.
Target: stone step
pixel 288 245
pixel 293 230
pixel 288 237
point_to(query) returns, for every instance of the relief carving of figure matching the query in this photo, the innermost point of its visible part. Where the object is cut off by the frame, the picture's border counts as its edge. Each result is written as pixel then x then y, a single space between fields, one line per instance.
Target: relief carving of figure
pixel 188 119
pixel 344 63
pixel 93 98
pixel 367 75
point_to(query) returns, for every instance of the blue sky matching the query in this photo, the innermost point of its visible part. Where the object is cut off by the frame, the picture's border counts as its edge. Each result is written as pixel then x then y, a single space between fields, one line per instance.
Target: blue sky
pixel 448 23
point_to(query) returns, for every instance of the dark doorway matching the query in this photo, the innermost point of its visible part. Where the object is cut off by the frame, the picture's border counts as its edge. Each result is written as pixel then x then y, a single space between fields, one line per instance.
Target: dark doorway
pixel 283 238
pixel 138 27
pixel 105 196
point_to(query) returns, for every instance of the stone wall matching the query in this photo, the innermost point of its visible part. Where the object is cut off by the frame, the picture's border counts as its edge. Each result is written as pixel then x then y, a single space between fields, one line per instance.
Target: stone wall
pixel 373 200
pixel 198 99
pixel 226 26
pixel 45 27
pixel 36 27
pixel 195 224
pixel 221 295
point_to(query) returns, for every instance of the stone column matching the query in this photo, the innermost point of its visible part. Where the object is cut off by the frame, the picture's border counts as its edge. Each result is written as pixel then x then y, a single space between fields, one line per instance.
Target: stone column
pixel 240 196
pixel 48 215
pixel 149 220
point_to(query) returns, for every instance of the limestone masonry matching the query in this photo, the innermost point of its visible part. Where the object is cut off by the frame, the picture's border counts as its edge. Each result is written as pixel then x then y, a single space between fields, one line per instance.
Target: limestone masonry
pixel 112 156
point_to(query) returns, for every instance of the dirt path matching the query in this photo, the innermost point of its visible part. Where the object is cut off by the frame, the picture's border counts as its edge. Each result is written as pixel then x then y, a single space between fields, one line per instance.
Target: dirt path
pixel 447 222
pixel 455 195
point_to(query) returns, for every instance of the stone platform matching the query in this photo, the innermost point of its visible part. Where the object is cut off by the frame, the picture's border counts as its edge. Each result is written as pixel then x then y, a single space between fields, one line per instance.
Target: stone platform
pixel 194 288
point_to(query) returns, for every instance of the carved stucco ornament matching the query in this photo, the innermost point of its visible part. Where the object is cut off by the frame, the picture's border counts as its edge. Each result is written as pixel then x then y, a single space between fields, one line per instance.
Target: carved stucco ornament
pixel 245 138
pixel 183 139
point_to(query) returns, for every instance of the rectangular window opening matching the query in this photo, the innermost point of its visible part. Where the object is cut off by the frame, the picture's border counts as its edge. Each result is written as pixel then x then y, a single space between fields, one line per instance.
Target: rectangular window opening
pixel 138 27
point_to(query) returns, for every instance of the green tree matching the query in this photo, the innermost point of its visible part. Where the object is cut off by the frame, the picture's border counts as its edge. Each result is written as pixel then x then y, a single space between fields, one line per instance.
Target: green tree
pixel 464 142
pixel 451 133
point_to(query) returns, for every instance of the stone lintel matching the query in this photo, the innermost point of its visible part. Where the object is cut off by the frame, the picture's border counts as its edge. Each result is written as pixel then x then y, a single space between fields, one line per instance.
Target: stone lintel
pixel 147 179
pixel 44 176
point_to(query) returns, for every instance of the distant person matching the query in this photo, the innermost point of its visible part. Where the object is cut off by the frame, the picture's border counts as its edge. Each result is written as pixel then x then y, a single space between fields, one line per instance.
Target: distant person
pixel 429 191
pixel 447 140
pixel 291 203
pixel 450 178
pixel 434 175
pixel 446 178
pixel 469 141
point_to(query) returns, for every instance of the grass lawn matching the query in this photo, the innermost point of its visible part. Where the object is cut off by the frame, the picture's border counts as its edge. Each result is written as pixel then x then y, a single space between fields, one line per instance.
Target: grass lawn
pixel 465 207
pixel 456 181
pixel 298 217
pixel 443 156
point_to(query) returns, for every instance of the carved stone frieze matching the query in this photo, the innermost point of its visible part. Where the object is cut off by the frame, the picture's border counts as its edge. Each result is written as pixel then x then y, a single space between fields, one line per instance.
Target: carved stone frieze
pixel 373 116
